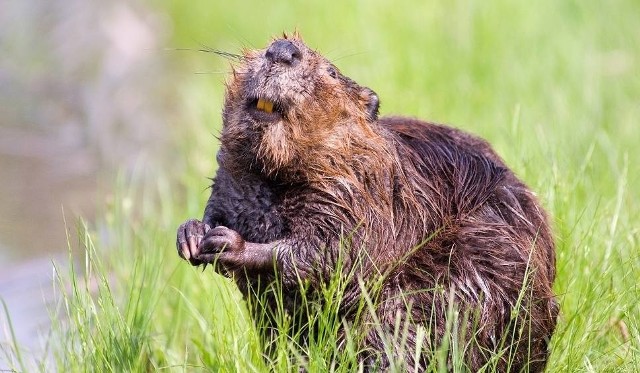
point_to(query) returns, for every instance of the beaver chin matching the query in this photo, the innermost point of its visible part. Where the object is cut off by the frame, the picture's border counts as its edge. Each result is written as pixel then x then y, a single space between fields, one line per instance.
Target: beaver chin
pixel 265 111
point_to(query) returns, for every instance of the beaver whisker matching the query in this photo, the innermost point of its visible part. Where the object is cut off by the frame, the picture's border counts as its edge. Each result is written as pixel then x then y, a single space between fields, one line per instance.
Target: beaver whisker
pixel 205 49
pixel 234 56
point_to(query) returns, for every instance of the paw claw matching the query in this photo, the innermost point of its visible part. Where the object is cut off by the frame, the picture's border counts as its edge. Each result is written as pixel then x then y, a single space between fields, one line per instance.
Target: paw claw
pixel 184 252
pixel 189 236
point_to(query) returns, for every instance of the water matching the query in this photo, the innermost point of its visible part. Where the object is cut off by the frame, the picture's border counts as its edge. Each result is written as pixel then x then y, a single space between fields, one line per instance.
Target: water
pixel 84 87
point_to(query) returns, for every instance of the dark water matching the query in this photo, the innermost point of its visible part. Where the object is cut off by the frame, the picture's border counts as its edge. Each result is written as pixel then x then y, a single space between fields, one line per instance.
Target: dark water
pixel 83 93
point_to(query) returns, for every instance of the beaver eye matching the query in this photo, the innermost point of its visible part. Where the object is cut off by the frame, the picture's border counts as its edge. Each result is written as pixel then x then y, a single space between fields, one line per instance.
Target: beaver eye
pixel 332 72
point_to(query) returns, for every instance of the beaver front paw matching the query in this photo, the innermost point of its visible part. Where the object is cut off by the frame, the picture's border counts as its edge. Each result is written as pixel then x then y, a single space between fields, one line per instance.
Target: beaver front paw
pixel 190 235
pixel 220 246
pixel 218 240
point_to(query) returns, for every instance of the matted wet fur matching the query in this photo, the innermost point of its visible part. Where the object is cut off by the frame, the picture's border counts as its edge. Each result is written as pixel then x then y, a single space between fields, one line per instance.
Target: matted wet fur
pixel 432 214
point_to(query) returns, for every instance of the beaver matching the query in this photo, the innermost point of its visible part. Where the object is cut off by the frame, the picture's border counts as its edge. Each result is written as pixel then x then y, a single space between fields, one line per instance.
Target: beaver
pixel 312 181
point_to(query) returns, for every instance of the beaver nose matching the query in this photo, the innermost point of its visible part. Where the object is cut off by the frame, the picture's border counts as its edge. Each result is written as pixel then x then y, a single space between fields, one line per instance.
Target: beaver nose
pixel 283 51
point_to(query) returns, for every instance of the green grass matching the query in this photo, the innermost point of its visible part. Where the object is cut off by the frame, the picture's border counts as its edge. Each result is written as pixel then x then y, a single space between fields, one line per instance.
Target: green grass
pixel 554 86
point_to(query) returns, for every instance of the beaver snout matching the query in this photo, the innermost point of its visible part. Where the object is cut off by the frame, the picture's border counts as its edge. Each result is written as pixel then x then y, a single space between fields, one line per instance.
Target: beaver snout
pixel 284 52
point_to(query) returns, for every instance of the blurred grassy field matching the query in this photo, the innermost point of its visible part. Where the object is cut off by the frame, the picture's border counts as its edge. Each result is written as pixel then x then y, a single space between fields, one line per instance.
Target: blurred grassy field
pixel 554 86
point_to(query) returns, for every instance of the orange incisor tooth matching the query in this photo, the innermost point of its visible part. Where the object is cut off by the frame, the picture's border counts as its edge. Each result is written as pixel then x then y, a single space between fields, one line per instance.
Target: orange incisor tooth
pixel 268 106
pixel 265 105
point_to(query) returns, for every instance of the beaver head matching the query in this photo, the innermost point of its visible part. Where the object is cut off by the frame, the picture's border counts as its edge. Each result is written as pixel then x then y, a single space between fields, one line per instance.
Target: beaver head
pixel 289 111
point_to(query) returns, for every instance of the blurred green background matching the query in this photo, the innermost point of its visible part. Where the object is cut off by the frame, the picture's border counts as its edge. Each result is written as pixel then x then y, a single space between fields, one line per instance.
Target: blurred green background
pixel 99 91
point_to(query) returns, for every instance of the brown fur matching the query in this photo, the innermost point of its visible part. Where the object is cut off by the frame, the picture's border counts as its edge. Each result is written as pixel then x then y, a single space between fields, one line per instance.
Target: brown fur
pixel 432 212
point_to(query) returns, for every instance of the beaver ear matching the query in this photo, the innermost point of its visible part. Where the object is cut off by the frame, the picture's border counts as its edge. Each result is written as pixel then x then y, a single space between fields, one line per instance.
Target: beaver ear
pixel 372 105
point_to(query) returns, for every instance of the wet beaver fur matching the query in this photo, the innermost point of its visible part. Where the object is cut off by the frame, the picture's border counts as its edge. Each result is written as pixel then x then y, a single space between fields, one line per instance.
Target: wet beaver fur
pixel 430 212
